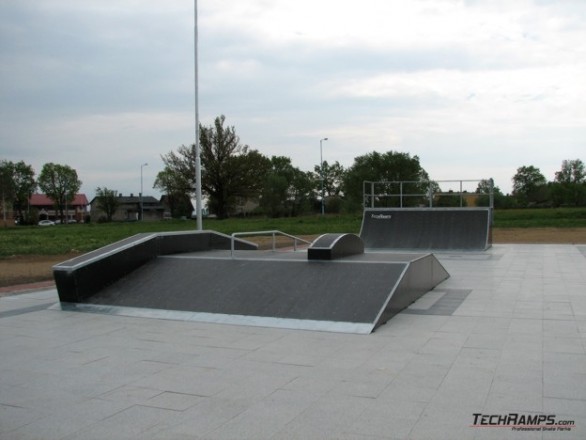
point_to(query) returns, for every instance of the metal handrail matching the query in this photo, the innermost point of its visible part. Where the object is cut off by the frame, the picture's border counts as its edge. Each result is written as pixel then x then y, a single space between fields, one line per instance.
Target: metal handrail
pixel 274 233
pixel 430 194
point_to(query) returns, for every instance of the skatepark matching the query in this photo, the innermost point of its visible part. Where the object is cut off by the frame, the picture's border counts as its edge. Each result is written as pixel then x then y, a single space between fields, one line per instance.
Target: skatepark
pixel 341 282
pixel 334 285
pixel 495 330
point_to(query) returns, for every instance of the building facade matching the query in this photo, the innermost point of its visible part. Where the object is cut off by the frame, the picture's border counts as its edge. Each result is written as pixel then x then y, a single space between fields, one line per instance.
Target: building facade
pixel 74 211
pixel 130 208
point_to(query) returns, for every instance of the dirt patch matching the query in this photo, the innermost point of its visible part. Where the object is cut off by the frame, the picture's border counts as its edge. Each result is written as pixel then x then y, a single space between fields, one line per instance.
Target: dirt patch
pixel 539 235
pixel 30 269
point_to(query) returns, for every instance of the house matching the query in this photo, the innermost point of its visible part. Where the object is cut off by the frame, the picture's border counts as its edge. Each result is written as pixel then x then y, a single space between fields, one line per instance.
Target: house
pixel 76 210
pixel 129 208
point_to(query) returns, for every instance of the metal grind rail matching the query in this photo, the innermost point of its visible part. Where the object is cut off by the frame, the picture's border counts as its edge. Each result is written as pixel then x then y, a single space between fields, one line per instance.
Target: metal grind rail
pixel 274 235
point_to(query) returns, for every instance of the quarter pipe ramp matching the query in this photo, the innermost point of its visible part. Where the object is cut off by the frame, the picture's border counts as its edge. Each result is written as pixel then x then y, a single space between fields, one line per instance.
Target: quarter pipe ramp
pixel 429 229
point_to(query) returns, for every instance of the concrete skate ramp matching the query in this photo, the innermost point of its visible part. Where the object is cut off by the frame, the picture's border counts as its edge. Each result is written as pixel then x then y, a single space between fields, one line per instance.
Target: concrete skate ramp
pixel 433 229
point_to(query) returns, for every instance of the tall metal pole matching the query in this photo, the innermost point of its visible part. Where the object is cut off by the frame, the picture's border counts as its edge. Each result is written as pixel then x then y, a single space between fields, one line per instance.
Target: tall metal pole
pixel 321 169
pixel 197 152
pixel 491 199
pixel 140 195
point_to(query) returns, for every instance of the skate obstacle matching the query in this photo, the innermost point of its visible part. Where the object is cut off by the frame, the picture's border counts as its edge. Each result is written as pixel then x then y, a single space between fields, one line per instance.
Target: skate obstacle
pixel 427 229
pixel 332 286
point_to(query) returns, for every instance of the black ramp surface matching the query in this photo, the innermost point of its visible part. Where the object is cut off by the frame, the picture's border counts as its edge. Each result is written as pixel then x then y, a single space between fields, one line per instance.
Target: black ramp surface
pixel 334 246
pixel 81 277
pixel 426 228
pixel 324 291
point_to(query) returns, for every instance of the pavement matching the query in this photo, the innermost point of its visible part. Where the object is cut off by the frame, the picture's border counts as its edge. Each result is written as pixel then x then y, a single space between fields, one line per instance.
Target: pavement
pixel 496 351
pixel 26 287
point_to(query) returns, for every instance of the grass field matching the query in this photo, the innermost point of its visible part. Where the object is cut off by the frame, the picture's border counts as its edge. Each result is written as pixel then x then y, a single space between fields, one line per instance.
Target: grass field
pixel 540 218
pixel 79 238
pixel 27 254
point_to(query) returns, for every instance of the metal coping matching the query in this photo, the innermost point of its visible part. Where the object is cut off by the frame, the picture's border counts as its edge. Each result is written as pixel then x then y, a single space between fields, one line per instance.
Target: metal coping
pixel 336 238
pixel 119 246
pixel 103 252
pixel 217 318
pixel 366 258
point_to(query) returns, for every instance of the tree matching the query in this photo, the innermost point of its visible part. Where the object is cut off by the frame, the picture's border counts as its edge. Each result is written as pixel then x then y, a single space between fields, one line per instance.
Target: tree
pixel 389 166
pixel 332 175
pixel 302 192
pixel 569 187
pixel 179 173
pixel 573 171
pixel 329 180
pixel 529 185
pixel 107 201
pixel 177 185
pixel 6 187
pixel 287 191
pixel 450 200
pixel 60 183
pixel 17 182
pixel 24 187
pixel 273 197
pixel 230 171
pixel 485 186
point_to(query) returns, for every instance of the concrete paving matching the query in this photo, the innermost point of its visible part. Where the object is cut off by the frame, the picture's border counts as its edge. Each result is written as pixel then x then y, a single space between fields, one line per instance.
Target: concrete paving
pixel 498 344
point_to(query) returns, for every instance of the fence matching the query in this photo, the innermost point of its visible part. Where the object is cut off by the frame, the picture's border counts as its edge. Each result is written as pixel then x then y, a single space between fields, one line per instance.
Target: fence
pixel 426 193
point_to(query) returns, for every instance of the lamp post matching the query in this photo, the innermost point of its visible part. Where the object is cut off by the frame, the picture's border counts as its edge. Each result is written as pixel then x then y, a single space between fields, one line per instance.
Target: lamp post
pixel 140 195
pixel 321 171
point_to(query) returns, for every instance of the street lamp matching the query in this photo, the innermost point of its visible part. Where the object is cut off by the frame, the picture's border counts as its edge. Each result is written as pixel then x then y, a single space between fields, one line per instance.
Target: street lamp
pixel 321 170
pixel 140 195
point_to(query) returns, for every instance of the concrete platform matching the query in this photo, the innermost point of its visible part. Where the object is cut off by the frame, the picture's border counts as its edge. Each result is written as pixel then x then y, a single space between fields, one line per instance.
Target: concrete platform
pixel 504 335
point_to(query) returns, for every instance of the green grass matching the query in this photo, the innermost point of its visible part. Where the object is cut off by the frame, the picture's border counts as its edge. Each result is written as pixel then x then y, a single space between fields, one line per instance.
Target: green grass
pixel 540 218
pixel 63 239
pixel 307 225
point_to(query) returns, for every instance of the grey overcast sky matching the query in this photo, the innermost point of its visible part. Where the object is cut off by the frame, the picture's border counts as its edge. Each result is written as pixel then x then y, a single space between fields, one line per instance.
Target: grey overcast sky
pixel 475 88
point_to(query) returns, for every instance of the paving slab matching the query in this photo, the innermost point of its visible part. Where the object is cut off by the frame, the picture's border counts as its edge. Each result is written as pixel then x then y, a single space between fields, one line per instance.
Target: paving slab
pixel 511 340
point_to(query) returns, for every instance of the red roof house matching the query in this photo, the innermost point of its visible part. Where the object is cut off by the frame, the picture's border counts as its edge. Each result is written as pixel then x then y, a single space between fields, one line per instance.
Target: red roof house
pixel 46 206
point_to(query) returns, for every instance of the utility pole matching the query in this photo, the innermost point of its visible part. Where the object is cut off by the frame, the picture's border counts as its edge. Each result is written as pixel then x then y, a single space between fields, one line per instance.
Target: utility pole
pixel 321 171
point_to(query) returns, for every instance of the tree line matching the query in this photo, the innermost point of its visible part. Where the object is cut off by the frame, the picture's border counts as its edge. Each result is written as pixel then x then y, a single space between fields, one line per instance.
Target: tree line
pixel 238 180
pixel 233 173
pixel 531 188
pixel 17 184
